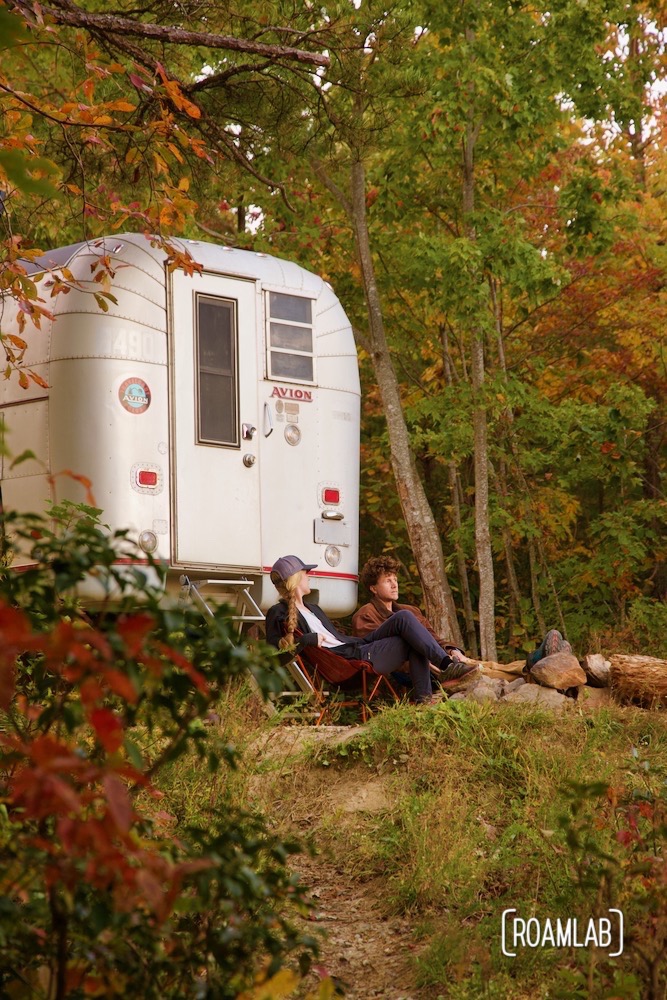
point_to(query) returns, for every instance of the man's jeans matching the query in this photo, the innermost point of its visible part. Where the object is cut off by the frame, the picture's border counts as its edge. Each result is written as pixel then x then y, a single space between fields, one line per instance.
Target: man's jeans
pixel 402 637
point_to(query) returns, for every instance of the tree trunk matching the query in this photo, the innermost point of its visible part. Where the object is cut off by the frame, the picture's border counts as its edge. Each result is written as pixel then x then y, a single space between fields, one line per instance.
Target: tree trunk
pixel 419 520
pixel 500 483
pixel 471 634
pixel 487 616
pixel 454 484
pixel 487 596
pixel 535 588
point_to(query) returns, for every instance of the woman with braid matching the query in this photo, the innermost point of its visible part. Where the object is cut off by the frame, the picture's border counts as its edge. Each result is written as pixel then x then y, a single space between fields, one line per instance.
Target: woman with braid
pixel 398 639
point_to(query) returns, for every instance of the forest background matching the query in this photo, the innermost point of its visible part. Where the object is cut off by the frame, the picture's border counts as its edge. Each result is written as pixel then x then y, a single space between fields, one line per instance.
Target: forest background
pixel 483 184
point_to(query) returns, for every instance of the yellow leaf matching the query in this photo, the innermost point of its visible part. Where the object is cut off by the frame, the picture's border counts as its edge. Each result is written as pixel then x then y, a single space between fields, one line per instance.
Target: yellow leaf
pixel 184 184
pixel 175 151
pixel 120 106
pixel 160 165
pixel 275 988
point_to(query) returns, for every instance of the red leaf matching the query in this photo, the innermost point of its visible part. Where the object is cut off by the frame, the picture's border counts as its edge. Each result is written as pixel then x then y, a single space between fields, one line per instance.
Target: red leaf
pixel 7 677
pixel 134 629
pixel 118 802
pixel 108 728
pixel 121 685
pixel 151 889
pixel 91 692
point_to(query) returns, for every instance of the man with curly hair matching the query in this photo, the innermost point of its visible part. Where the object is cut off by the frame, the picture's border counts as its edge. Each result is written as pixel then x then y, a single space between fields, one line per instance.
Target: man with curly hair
pixel 380 576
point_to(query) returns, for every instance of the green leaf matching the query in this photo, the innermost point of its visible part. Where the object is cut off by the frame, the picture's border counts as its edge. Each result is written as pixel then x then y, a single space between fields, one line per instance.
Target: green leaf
pixel 20 168
pixel 23 457
pixel 12 29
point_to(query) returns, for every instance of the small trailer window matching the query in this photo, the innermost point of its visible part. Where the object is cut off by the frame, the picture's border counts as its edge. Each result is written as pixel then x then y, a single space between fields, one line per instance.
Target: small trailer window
pixel 217 375
pixel 290 338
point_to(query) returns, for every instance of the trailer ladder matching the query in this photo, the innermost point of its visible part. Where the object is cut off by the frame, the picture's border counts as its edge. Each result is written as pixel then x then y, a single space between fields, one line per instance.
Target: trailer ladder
pixel 247 610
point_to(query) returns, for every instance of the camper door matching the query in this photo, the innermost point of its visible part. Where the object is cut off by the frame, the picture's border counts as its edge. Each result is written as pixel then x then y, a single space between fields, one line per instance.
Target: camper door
pixel 214 420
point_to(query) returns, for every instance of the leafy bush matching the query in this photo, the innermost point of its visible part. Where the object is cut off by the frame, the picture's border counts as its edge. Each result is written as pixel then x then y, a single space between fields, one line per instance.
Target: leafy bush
pixel 101 896
pixel 617 835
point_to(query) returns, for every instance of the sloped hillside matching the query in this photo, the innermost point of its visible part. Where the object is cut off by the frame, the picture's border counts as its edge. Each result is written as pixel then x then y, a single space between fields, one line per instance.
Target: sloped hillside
pixel 428 825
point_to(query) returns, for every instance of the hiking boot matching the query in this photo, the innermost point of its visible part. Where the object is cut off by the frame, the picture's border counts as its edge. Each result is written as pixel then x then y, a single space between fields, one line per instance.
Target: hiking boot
pixel 457 671
pixel 431 699
pixel 553 642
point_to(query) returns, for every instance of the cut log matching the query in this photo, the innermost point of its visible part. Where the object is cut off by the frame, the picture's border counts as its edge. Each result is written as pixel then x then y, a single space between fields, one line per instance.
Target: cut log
pixel 597 668
pixel 515 667
pixel 641 680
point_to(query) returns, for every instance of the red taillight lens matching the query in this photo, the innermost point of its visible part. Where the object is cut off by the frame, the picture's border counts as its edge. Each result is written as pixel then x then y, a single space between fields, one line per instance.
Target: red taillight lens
pixel 330 495
pixel 146 478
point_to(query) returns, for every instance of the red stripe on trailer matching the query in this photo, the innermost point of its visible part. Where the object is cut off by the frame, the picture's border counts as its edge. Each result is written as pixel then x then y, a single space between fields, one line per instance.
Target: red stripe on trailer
pixel 117 562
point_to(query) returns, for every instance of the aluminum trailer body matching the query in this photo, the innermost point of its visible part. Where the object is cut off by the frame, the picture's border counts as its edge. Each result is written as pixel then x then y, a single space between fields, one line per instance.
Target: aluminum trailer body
pixel 215 414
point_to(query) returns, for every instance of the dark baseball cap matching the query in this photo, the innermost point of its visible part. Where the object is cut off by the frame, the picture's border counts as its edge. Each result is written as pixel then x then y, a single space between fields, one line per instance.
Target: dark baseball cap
pixel 286 566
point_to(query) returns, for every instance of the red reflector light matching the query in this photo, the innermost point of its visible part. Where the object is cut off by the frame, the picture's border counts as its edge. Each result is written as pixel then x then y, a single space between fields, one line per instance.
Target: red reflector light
pixel 146 478
pixel 330 495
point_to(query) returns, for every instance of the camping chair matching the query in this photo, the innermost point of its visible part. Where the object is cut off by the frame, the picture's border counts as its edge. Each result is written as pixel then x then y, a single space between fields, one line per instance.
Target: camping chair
pixel 322 665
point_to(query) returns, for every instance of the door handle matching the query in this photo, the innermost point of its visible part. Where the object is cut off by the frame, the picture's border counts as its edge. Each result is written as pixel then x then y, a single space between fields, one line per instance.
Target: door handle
pixel 268 420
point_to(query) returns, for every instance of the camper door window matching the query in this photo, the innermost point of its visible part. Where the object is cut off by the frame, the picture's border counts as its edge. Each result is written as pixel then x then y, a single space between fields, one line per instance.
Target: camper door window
pixel 217 372
pixel 290 338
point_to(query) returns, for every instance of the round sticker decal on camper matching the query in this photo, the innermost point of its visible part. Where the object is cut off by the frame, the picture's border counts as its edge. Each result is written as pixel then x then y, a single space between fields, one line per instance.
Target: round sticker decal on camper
pixel 134 395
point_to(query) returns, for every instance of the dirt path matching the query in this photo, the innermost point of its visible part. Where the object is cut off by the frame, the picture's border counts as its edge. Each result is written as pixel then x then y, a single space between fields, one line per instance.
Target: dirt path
pixel 367 953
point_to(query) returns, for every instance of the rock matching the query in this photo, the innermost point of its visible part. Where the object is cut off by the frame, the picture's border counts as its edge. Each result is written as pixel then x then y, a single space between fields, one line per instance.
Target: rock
pixel 487 689
pixel 598 670
pixel 459 696
pixel 492 683
pixel 515 685
pixel 594 697
pixel 533 694
pixel 559 671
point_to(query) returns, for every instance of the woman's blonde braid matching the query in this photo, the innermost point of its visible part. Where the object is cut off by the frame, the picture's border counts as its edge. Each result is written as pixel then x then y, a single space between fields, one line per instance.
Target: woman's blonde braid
pixel 286 590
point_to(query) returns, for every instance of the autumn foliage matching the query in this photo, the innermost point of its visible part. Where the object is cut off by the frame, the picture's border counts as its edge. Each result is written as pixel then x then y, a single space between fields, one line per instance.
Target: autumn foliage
pixel 101 891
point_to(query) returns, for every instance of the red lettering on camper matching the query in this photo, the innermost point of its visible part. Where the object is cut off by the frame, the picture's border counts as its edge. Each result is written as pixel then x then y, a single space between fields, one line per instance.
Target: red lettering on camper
pixel 302 395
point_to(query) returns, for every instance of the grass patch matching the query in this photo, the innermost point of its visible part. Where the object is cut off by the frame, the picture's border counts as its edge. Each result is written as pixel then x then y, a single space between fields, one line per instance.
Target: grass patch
pixel 478 796
pixel 478 801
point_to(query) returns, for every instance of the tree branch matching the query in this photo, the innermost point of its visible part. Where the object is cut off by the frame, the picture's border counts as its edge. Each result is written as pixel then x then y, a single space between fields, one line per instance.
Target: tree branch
pixel 64 12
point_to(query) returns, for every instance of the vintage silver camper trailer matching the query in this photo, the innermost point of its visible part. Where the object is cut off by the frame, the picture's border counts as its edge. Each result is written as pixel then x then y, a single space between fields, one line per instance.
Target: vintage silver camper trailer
pixel 216 414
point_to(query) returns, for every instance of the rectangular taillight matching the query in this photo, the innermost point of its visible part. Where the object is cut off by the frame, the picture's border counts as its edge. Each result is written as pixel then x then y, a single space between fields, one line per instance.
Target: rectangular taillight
pixel 330 495
pixel 145 477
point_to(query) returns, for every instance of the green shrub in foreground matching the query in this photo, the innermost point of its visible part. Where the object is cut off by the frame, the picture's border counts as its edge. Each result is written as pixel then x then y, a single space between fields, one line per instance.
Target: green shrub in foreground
pixel 99 895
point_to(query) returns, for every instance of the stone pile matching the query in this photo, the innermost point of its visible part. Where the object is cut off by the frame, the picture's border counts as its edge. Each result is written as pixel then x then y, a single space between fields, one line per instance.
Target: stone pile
pixel 557 681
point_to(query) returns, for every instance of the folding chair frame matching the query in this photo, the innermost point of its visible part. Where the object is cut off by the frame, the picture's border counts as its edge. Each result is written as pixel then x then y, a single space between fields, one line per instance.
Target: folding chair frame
pixel 306 665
